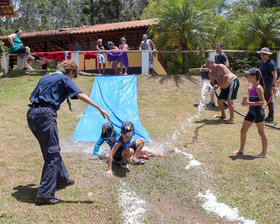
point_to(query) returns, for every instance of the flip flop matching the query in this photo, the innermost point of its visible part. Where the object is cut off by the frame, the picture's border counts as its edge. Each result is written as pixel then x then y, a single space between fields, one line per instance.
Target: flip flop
pixel 144 155
pixel 139 162
pixel 123 165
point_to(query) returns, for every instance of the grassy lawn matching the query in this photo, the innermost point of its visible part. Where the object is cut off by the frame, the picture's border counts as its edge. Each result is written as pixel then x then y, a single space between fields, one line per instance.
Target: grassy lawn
pixel 170 190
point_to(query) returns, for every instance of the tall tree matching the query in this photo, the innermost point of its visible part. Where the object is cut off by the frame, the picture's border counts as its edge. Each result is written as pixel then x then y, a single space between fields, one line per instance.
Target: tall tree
pixel 260 29
pixel 181 23
pixel 269 3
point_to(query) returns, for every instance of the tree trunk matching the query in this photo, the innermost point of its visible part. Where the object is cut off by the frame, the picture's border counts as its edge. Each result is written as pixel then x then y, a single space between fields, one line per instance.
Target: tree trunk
pixel 91 19
pixel 184 60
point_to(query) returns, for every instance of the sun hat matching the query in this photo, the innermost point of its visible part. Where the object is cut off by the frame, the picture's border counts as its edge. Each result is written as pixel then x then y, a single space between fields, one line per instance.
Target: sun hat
pixel 265 50
pixel 127 128
pixel 252 71
pixel 107 130
pixel 145 36
pixel 123 38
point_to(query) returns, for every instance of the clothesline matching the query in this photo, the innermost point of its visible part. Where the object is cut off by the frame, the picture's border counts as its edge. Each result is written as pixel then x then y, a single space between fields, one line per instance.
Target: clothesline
pixel 115 55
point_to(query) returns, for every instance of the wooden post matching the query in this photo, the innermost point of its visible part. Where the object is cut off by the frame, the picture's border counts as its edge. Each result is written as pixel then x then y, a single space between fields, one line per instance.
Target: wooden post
pixel 4 61
pixel 145 62
pixel 278 59
pixel 45 66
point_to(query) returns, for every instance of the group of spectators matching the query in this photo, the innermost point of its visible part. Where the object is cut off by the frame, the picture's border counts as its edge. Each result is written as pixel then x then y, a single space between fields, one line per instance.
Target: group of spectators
pixel 146 44
pixel 16 47
pixel 263 86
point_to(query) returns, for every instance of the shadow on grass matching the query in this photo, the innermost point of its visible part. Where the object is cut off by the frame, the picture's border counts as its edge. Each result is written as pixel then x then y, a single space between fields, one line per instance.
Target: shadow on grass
pixel 208 108
pixel 196 134
pixel 119 171
pixel 177 78
pixel 209 122
pixel 19 73
pixel 244 157
pixel 27 193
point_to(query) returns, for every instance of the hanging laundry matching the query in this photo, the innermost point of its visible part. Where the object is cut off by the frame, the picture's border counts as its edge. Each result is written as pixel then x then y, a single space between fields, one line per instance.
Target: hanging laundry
pixel 75 58
pixel 53 56
pixel 120 56
pixel 90 55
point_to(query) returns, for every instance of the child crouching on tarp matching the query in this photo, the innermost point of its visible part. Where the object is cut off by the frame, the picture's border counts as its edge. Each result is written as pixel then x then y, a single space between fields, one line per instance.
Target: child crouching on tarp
pixel 122 149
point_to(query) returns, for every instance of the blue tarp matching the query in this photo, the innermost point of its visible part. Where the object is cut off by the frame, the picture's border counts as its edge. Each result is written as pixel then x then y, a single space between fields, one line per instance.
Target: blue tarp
pixel 118 96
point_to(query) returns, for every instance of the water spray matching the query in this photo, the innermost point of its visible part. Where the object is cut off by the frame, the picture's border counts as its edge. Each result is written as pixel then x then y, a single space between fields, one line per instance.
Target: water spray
pixel 205 88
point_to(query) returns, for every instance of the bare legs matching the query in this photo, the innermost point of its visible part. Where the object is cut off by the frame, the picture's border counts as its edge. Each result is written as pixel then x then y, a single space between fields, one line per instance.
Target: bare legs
pixel 139 146
pixel 30 57
pixel 243 132
pixel 261 130
pixel 115 67
pixel 103 69
pixel 223 114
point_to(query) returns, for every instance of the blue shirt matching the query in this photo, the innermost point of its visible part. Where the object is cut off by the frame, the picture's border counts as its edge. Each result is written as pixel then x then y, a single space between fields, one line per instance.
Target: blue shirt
pixel 123 145
pixel 102 140
pixel 54 88
pixel 221 58
pixel 17 44
pixel 266 69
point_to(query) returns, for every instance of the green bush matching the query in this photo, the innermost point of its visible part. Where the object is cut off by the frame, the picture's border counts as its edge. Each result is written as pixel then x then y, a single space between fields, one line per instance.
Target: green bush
pixel 3 48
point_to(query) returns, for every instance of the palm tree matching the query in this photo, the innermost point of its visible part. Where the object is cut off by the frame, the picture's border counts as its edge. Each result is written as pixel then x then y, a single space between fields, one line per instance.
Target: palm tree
pixel 260 29
pixel 181 23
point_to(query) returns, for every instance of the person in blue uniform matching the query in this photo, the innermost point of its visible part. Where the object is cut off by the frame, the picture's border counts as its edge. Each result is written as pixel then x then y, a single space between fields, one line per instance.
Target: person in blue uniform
pixel 108 135
pixel 50 92
pixel 269 72
pixel 121 148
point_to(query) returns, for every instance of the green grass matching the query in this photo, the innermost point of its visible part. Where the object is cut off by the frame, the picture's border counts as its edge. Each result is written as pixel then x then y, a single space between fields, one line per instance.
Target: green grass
pixel 164 103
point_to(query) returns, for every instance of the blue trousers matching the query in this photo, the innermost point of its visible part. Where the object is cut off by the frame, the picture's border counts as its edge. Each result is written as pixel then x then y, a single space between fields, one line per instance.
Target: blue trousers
pixel 267 95
pixel 42 123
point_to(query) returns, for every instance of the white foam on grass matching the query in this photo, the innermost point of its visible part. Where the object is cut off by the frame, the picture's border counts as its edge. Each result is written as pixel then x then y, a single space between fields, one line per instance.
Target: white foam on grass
pixel 69 146
pixel 224 211
pixel 204 90
pixel 175 135
pixel 192 162
pixel 79 115
pixel 134 208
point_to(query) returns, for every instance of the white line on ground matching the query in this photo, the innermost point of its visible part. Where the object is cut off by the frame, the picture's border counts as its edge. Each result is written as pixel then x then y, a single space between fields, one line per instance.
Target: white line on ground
pixel 224 211
pixel 192 161
pixel 134 208
pixel 175 135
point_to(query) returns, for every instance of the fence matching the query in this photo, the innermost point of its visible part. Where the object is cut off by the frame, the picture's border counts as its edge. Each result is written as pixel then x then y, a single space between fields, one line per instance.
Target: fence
pixel 165 62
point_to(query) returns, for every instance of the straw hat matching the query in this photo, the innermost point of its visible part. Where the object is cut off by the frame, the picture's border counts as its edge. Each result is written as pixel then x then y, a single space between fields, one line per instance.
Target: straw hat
pixel 265 50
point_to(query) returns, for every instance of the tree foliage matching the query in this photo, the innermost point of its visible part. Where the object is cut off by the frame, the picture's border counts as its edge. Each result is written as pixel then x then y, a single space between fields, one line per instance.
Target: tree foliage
pixel 260 29
pixel 182 25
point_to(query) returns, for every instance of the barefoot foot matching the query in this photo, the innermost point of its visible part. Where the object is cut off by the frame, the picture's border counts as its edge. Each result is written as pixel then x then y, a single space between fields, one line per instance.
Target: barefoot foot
pixel 219 116
pixel 260 156
pixel 228 121
pixel 238 152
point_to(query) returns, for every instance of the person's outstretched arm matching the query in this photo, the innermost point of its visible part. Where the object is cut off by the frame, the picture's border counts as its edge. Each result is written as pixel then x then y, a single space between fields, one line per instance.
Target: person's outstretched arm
pixel 83 97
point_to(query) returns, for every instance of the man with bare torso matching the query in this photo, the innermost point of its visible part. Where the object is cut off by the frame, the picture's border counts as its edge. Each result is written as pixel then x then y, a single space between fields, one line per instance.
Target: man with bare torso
pixel 229 84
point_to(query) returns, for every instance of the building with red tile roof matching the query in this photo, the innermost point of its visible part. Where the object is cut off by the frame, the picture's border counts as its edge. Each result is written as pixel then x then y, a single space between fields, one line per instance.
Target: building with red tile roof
pixel 7 9
pixel 85 37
